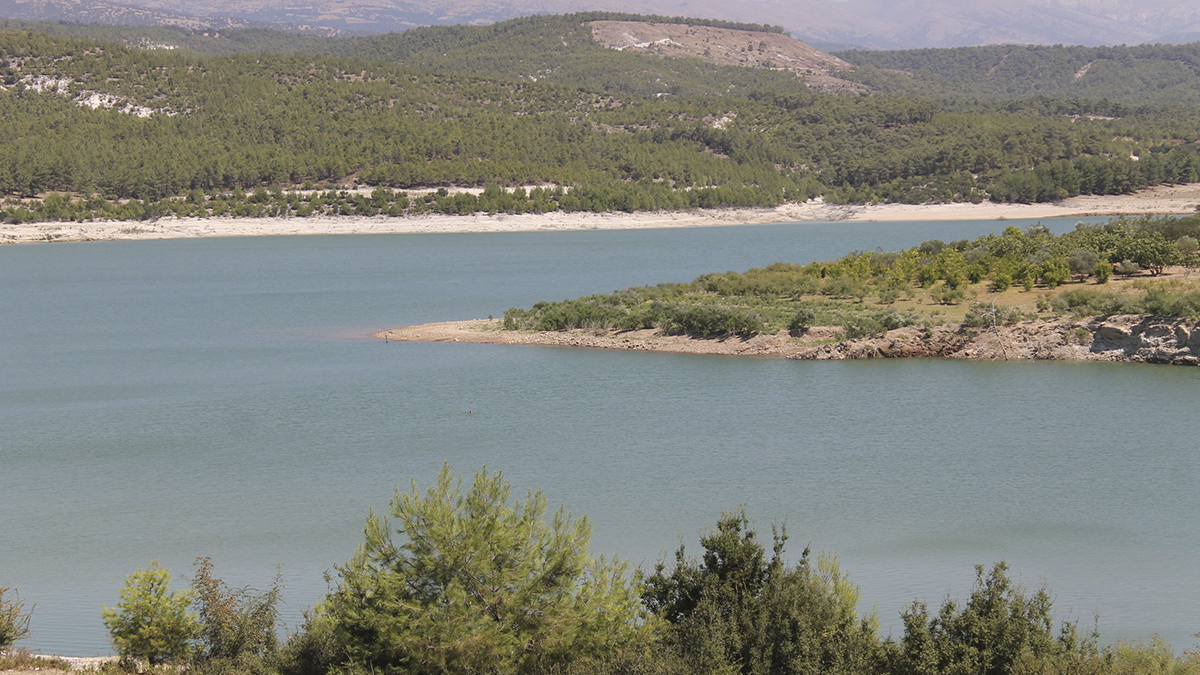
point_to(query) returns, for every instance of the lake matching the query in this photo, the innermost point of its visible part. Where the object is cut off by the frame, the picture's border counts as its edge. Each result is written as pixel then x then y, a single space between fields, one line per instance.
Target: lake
pixel 163 400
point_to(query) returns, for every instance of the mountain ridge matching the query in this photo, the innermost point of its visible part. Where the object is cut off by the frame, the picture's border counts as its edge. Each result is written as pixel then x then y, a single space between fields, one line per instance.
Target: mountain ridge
pixel 827 24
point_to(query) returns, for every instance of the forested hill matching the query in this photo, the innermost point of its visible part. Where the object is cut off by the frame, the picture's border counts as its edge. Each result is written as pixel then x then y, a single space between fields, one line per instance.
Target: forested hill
pixel 104 129
pixel 1141 74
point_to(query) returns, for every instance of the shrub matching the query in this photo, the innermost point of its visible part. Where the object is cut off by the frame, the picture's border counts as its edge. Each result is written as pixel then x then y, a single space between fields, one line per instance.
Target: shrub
pixel 1055 271
pixel 1148 657
pixel 1001 282
pixel 235 623
pixel 313 650
pixel 998 631
pixel 1082 262
pixel 152 623
pixel 844 287
pixel 1084 302
pixel 946 295
pixel 478 585
pixel 736 611
pixel 982 315
pixel 1128 267
pixel 802 320
pixel 710 320
pixel 1187 247
pixel 14 620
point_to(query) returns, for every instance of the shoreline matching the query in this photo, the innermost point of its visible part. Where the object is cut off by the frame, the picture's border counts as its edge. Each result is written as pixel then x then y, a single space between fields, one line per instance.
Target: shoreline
pixel 1124 338
pixel 1169 200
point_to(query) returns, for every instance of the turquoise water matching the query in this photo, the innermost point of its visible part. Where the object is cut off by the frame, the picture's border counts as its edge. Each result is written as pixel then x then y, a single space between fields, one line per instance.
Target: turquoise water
pixel 173 399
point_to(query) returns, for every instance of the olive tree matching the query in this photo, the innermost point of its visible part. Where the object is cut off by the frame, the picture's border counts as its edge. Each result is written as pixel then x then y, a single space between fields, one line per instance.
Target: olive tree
pixel 467 581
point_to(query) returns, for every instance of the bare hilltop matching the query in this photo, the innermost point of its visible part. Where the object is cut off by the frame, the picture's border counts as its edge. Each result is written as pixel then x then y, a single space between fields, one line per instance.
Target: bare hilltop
pixel 728 47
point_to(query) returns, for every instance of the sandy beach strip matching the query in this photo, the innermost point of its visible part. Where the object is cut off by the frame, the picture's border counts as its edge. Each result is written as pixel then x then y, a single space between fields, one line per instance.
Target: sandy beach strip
pixel 1179 199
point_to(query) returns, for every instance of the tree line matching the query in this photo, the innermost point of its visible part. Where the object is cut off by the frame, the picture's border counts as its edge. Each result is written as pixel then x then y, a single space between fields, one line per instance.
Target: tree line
pixel 1160 73
pixel 618 130
pixel 464 579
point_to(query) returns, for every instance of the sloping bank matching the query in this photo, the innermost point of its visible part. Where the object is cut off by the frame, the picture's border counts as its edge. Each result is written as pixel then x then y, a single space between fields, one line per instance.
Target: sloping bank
pixel 1125 338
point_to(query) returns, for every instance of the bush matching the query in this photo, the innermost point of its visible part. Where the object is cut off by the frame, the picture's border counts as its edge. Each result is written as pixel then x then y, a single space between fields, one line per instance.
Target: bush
pixel 152 623
pixel 1055 271
pixel 14 620
pixel 1001 282
pixel 982 315
pixel 943 294
pixel 866 324
pixel 1082 262
pixel 478 585
pixel 735 611
pixel 1128 267
pixel 710 320
pixel 998 631
pixel 802 320
pixel 313 650
pixel 235 623
pixel 1148 657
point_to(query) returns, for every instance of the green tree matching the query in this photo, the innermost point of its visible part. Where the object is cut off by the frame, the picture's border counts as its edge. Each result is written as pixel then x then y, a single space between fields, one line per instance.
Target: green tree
pixel 152 623
pixel 1082 262
pixel 479 585
pixel 14 620
pixel 1056 271
pixel 735 611
pixel 1187 247
pixel 1148 250
pixel 997 629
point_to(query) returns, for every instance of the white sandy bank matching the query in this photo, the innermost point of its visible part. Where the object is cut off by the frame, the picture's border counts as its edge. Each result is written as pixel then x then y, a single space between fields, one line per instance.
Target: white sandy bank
pixel 1166 200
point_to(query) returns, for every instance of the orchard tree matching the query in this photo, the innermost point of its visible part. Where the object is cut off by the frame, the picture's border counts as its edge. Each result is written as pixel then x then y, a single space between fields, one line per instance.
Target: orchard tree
pixel 1149 250
pixel 1082 262
pixel 468 582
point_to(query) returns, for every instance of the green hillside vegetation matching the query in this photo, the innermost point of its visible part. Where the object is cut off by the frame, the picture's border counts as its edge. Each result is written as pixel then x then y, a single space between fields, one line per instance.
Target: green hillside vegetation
pixel 1144 73
pixel 530 103
pixel 463 579
pixel 204 41
pixel 1095 270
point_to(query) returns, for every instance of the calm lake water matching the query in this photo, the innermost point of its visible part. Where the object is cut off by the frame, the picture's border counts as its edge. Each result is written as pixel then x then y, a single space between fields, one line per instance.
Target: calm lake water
pixel 164 400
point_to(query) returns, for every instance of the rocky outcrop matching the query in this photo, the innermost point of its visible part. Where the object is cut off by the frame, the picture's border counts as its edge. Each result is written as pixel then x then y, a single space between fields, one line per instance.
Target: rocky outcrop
pixel 1138 339
pixel 1148 339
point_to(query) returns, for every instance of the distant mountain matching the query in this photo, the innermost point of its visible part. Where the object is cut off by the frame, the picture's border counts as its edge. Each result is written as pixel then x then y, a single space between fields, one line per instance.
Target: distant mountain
pixel 104 12
pixel 827 24
pixel 903 24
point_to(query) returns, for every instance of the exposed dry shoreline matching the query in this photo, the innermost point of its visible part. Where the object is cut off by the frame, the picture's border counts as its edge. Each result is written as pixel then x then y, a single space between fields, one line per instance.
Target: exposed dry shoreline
pixel 1162 200
pixel 1130 338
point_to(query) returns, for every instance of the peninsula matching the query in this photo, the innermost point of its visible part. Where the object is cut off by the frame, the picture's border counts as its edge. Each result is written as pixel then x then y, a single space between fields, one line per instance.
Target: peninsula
pixel 1119 291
